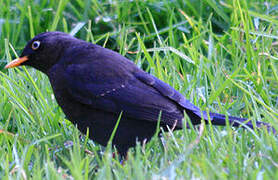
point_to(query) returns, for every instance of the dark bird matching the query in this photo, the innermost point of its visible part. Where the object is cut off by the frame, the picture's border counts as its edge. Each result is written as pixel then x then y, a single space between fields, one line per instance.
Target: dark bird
pixel 94 85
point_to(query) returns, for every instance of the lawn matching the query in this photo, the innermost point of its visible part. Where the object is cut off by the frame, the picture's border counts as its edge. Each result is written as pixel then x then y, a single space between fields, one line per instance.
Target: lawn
pixel 221 55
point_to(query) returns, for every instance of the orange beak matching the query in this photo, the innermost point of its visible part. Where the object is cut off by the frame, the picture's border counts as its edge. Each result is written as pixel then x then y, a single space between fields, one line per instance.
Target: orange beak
pixel 16 62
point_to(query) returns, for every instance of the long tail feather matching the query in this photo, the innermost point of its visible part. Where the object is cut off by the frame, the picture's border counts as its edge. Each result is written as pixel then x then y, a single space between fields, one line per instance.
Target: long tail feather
pixel 220 120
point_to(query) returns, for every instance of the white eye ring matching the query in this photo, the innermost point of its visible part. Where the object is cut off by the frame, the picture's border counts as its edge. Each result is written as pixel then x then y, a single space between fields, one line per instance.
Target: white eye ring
pixel 36 45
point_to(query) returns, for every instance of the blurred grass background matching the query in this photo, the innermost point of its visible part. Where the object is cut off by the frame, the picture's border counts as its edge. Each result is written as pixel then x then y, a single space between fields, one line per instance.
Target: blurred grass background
pixel 222 55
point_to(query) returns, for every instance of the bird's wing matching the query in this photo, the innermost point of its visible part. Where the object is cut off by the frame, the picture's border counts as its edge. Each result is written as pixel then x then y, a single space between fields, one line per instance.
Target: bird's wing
pixel 169 92
pixel 134 92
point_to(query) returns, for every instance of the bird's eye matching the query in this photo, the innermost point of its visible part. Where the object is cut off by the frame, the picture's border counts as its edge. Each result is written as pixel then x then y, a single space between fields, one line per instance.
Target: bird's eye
pixel 36 45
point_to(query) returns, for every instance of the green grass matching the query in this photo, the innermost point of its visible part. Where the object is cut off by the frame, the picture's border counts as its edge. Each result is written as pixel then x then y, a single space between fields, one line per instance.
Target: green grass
pixel 221 55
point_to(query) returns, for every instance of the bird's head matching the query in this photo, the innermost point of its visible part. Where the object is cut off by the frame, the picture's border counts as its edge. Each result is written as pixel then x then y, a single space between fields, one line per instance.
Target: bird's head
pixel 43 51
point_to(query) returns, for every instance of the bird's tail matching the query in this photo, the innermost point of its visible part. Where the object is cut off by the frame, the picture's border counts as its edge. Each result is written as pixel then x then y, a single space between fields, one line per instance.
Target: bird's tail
pixel 220 120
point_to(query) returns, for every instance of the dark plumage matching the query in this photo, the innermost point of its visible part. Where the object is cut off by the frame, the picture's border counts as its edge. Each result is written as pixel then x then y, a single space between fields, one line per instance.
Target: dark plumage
pixel 93 85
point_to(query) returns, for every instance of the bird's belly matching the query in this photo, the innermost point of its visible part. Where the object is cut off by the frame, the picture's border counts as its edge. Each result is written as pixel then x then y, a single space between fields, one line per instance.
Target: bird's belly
pixel 101 124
